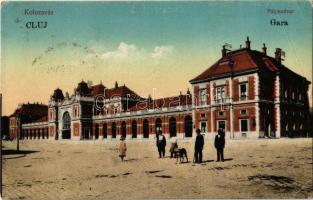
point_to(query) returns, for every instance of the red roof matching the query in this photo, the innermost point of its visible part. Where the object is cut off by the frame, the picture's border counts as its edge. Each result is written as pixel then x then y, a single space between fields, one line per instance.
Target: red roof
pixel 166 102
pixel 31 112
pixel 121 91
pixel 239 61
pixel 41 119
pixel 97 89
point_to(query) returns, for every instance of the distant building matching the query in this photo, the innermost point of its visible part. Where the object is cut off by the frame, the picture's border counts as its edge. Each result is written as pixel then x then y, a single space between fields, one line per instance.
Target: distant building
pixel 246 93
pixel 30 117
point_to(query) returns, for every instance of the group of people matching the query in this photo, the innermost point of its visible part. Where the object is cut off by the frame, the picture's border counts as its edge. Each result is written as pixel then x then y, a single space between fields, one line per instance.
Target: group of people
pixel 219 144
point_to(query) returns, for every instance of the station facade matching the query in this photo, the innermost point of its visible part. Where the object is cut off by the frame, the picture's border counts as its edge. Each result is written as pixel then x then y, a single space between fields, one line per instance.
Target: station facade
pixel 246 92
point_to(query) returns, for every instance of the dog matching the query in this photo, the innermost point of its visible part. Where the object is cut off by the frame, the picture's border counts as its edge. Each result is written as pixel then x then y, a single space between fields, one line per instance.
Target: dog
pixel 181 154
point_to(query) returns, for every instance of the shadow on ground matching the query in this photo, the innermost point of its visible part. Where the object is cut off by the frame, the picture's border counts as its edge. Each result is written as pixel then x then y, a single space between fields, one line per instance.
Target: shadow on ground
pixel 15 152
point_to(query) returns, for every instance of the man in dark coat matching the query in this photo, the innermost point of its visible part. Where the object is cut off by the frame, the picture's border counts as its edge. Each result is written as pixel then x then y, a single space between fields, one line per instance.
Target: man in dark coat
pixel 161 143
pixel 219 144
pixel 199 146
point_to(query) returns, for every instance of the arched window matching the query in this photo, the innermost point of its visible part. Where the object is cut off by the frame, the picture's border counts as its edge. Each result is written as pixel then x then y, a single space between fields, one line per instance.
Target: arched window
pixel 96 131
pixel 123 129
pixel 145 128
pixel 66 121
pixel 104 130
pixel 172 127
pixel 134 129
pixel 158 125
pixel 113 130
pixel 66 131
pixel 188 126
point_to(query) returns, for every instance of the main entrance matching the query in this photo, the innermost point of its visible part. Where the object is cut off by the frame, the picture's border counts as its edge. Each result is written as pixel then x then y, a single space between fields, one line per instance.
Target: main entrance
pixel 66 129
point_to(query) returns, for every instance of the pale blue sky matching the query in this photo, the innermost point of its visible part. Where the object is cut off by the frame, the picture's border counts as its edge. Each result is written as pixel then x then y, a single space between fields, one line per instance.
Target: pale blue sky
pixel 191 33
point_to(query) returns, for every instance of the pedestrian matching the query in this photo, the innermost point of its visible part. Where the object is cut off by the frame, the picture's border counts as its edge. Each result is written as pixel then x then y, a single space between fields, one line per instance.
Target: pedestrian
pixel 198 147
pixel 219 144
pixel 161 143
pixel 123 148
pixel 174 146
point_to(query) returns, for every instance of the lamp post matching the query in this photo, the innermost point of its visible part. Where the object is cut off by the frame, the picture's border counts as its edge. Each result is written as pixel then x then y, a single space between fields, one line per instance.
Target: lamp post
pixel 18 133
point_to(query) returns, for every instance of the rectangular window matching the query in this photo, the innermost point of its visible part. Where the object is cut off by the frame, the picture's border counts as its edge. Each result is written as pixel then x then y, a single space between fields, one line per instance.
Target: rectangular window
pixel 243 91
pixel 243 125
pixel 202 97
pixel 220 92
pixel 300 97
pixel 221 113
pixel 221 124
pixel 243 112
pixel 203 127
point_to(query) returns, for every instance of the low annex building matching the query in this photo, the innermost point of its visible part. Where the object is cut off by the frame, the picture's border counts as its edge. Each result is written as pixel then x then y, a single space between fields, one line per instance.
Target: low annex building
pixel 247 93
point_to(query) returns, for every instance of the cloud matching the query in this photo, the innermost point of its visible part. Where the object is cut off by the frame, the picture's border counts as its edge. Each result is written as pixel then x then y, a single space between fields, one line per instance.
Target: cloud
pixel 131 52
pixel 162 51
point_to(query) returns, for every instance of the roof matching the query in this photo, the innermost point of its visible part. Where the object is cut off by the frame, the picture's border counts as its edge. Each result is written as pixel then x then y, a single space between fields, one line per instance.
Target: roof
pixel 31 112
pixel 120 91
pixel 241 60
pixel 97 89
pixel 167 102
pixel 58 94
pixel 83 89
pixel 41 119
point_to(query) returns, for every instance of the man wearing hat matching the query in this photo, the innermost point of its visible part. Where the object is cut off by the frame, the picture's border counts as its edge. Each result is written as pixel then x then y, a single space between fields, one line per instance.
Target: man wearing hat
pixel 198 147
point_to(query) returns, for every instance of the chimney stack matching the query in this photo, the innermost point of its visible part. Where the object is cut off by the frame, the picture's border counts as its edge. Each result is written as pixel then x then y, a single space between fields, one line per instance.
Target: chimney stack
pixel 224 51
pixel 116 84
pixel 264 49
pixel 278 54
pixel 188 91
pixel 248 43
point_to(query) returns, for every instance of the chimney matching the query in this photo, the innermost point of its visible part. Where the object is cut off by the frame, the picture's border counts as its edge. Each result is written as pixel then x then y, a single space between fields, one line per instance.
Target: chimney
pixel 188 91
pixel 264 49
pixel 278 54
pixel 224 50
pixel 248 43
pixel 149 99
pixel 116 85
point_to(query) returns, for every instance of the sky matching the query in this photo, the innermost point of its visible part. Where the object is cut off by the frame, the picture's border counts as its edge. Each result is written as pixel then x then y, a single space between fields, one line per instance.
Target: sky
pixel 151 47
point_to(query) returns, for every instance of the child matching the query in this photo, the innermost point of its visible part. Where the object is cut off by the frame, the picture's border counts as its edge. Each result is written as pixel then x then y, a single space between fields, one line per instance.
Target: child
pixel 122 148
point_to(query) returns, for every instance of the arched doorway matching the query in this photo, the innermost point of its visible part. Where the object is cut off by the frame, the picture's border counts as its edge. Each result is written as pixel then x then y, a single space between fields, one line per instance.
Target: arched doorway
pixel 47 133
pixel 188 126
pixel 145 128
pixel 96 131
pixel 104 130
pixel 158 125
pixel 66 131
pixel 172 127
pixel 113 130
pixel 123 129
pixel 134 129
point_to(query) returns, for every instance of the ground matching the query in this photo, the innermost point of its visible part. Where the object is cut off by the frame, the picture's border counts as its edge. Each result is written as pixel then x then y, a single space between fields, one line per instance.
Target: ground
pixel 262 168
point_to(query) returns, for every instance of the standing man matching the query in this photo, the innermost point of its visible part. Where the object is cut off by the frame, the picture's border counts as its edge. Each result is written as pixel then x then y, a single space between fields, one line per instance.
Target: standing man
pixel 198 147
pixel 161 143
pixel 219 144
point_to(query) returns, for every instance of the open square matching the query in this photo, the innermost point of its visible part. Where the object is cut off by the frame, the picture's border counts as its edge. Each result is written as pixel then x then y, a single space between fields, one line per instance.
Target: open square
pixel 91 169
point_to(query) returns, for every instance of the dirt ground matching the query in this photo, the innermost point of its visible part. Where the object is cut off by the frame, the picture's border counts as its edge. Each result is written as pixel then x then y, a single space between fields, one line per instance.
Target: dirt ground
pixel 263 168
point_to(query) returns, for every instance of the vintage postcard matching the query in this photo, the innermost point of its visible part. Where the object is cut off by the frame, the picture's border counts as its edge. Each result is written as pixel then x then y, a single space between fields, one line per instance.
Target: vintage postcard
pixel 156 100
